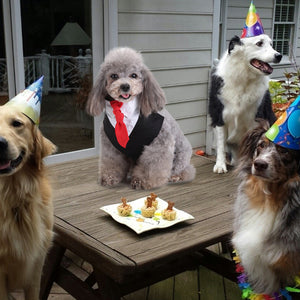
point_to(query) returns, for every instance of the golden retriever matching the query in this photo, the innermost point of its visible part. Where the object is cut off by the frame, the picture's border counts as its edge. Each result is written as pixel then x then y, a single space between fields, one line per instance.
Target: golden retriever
pixel 26 210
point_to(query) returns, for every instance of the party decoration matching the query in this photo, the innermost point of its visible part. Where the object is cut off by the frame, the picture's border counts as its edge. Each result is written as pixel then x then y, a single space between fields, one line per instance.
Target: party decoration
pixel 29 101
pixel 253 25
pixel 286 130
pixel 248 293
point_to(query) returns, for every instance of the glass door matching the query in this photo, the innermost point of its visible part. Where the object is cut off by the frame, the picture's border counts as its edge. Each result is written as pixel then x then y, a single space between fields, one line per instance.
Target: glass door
pixel 3 63
pixel 57 43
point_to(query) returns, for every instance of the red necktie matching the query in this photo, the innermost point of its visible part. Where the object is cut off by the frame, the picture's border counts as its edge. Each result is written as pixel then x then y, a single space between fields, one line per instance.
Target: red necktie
pixel 120 129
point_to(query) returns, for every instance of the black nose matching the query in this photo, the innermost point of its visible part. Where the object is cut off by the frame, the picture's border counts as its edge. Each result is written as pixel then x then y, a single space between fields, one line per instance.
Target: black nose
pixel 125 87
pixel 277 58
pixel 260 165
pixel 3 144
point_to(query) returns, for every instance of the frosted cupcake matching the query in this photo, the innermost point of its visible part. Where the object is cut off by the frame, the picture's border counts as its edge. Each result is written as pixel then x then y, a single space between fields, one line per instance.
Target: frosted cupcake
pixel 148 209
pixel 154 200
pixel 124 209
pixel 169 213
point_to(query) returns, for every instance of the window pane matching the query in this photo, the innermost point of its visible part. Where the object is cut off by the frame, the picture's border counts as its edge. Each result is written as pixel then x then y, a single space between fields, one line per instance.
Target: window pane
pixel 3 69
pixel 290 14
pixel 57 43
pixel 284 11
pixel 283 33
pixel 282 38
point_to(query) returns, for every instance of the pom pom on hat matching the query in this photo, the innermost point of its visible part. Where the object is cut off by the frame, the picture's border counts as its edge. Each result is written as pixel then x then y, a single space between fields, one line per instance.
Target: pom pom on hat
pixel 285 131
pixel 29 101
pixel 253 25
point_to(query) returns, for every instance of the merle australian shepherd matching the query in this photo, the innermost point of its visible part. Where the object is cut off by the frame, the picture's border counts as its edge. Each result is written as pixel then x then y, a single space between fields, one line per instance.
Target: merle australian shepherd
pixel 267 212
pixel 239 93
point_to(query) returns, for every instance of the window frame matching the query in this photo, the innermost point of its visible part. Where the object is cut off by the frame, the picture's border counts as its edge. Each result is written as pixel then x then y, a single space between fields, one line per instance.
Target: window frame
pixel 287 59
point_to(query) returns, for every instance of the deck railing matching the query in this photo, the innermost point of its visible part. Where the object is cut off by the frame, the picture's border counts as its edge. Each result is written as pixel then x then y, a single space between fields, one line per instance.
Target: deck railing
pixel 61 73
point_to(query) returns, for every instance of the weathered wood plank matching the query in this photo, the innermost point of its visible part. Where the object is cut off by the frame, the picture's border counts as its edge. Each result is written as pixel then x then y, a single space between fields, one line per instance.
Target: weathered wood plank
pixel 186 286
pixel 211 285
pixel 140 295
pixel 162 290
pixel 232 290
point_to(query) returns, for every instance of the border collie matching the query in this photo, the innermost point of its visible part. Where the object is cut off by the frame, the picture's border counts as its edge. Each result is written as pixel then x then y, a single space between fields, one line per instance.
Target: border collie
pixel 239 93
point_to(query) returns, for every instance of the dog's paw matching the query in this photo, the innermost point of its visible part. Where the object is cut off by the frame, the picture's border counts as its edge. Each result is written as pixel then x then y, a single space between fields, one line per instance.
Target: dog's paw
pixel 175 178
pixel 108 180
pixel 136 183
pixel 220 168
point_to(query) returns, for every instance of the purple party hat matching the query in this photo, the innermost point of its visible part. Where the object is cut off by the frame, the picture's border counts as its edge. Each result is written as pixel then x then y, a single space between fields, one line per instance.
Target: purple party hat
pixel 253 25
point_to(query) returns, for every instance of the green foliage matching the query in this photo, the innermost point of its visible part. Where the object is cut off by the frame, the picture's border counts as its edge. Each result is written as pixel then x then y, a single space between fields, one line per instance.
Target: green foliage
pixel 283 91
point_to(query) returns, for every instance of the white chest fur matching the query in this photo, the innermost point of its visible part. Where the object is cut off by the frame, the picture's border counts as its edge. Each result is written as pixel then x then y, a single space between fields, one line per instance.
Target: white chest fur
pixel 241 95
pixel 131 111
pixel 254 228
pixel 251 240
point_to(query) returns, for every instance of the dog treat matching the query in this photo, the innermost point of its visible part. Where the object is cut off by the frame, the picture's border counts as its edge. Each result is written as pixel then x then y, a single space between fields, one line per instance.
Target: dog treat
pixel 124 209
pixel 169 213
pixel 154 200
pixel 148 209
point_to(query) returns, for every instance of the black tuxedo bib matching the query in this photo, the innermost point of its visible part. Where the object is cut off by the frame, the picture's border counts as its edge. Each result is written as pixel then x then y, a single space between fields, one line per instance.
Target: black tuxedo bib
pixel 144 132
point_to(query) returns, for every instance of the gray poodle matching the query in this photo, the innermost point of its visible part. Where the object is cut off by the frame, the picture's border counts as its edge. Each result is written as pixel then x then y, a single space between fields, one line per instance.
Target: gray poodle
pixel 152 149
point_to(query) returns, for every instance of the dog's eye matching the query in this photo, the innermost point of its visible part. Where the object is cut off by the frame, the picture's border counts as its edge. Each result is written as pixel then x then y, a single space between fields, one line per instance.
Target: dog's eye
pixel 282 150
pixel 259 44
pixel 114 76
pixel 262 145
pixel 16 123
pixel 133 75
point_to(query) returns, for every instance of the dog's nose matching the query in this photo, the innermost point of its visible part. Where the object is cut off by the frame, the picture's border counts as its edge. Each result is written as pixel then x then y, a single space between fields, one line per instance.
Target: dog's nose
pixel 3 144
pixel 260 165
pixel 125 87
pixel 277 58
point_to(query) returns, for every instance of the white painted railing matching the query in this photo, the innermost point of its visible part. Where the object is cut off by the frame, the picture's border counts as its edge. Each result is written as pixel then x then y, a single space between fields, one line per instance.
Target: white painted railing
pixel 61 73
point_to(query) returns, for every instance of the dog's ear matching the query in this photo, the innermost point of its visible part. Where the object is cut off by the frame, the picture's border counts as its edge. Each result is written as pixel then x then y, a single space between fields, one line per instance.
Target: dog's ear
pixel 96 101
pixel 152 98
pixel 42 147
pixel 252 137
pixel 234 41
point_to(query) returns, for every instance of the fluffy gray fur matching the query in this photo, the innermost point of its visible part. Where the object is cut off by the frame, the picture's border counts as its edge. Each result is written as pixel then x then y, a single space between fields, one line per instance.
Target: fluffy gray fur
pixel 167 158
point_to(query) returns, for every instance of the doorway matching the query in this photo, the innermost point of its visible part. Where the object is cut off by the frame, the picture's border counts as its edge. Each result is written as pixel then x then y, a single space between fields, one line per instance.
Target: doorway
pixel 55 38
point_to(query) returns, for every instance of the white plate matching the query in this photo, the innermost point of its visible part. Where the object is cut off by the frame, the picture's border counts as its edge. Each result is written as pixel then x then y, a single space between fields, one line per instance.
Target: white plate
pixel 138 223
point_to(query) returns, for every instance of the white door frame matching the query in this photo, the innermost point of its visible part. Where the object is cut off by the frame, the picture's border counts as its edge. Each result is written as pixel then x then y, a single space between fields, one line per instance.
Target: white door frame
pixel 210 143
pixel 13 46
pixel 104 15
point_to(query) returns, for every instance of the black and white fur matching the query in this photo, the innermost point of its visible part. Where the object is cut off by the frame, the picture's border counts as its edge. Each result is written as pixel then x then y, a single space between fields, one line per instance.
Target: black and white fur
pixel 239 93
pixel 267 212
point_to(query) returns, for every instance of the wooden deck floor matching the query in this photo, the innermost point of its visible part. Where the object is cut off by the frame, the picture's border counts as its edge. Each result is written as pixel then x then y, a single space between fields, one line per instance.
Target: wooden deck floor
pixel 197 284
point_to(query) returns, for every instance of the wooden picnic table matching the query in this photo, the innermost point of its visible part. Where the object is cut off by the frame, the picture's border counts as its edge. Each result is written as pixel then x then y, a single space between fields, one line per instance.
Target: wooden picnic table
pixel 122 260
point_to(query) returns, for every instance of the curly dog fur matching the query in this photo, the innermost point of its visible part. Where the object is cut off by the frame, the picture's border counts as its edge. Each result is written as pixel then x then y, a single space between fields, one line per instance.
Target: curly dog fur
pixel 124 77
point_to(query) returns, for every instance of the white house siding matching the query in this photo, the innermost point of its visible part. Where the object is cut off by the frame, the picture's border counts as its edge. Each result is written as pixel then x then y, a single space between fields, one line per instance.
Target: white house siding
pixel 237 12
pixel 175 38
pixel 297 39
pixel 236 15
